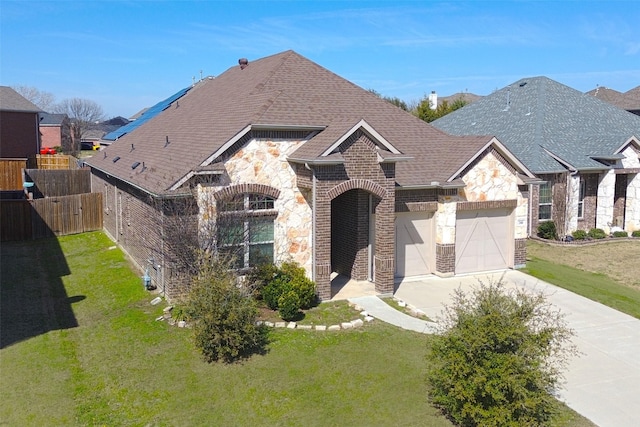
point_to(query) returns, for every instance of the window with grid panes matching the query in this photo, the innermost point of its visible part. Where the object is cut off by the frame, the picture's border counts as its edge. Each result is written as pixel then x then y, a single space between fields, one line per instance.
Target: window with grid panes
pixel 245 229
pixel 544 202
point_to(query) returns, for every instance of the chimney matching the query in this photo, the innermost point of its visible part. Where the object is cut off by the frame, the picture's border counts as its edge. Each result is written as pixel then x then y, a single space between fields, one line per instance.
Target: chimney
pixel 244 63
pixel 433 100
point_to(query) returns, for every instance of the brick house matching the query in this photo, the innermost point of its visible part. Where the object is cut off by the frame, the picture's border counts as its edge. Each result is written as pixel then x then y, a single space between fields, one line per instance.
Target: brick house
pixel 55 130
pixel 19 134
pixel 319 171
pixel 584 148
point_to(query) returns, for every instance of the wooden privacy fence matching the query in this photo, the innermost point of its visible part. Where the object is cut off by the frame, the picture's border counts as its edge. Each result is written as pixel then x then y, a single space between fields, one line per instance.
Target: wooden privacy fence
pixel 11 169
pixel 52 216
pixel 54 183
pixel 11 173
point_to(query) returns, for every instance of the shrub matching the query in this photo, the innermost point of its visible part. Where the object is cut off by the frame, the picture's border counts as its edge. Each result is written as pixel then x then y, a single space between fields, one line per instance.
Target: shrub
pixel 547 230
pixel 289 305
pixel 579 234
pixel 224 316
pixel 597 233
pixel 290 277
pixel 620 234
pixel 498 356
pixel 635 233
pixel 258 277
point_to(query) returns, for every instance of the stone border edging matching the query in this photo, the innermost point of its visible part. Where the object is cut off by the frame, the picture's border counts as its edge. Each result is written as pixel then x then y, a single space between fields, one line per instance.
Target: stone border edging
pixel 356 323
pixel 583 242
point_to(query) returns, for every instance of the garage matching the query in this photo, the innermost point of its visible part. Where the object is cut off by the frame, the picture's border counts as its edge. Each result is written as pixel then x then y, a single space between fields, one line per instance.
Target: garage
pixel 484 240
pixel 414 244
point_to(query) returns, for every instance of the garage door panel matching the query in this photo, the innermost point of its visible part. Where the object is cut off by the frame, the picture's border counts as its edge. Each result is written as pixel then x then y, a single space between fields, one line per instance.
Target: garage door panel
pixel 483 240
pixel 414 244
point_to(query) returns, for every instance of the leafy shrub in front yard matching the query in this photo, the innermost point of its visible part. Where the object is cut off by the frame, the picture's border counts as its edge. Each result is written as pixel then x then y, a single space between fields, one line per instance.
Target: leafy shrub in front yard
pixel 597 233
pixel 224 316
pixel 289 278
pixel 547 230
pixel 289 305
pixel 497 358
pixel 620 234
pixel 635 233
pixel 579 234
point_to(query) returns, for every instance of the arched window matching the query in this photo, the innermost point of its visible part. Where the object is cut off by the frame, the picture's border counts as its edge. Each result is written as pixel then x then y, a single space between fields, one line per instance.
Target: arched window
pixel 245 229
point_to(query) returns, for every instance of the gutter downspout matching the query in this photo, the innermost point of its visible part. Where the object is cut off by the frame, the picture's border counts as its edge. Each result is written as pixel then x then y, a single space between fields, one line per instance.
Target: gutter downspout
pixel 530 225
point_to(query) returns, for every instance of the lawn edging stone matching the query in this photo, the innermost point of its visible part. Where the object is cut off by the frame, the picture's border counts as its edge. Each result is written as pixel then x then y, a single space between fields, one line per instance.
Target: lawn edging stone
pixel 356 323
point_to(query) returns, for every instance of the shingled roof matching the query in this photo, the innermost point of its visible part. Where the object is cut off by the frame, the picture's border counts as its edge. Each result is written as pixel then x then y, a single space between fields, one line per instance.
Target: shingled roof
pixel 629 100
pixel 10 100
pixel 281 91
pixel 547 125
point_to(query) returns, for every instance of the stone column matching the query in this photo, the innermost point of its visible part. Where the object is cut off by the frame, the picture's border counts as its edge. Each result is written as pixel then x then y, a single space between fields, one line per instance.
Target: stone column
pixel 606 191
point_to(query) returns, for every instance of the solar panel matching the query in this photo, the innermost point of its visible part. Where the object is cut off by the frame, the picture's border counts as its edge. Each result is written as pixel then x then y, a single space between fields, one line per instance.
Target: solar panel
pixel 146 116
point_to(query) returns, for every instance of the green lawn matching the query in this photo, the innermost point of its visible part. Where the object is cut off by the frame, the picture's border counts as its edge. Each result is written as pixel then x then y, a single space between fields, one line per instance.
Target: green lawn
pixel 80 346
pixel 597 287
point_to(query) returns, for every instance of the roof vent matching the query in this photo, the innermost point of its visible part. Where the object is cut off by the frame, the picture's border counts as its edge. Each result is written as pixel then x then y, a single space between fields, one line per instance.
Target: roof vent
pixel 135 165
pixel 244 62
pixel 115 159
pixel 523 84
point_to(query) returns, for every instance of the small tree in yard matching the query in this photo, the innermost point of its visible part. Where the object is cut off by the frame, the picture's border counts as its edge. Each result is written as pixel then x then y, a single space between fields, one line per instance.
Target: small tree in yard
pixel 224 315
pixel 498 358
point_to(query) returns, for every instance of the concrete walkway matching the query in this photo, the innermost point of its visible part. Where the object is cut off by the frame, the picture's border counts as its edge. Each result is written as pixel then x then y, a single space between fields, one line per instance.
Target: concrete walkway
pixel 602 384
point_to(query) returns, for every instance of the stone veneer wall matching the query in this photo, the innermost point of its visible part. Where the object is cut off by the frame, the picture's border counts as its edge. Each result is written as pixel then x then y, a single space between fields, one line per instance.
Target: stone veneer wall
pixel 262 161
pixel 632 208
pixel 490 183
pixel 604 207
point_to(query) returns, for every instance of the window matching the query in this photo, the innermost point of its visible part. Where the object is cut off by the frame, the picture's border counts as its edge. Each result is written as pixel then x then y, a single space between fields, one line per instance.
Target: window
pixel 581 194
pixel 245 229
pixel 544 203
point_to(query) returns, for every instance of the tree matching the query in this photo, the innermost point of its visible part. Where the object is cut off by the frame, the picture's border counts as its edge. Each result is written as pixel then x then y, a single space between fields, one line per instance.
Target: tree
pixel 224 314
pixel 43 100
pixel 498 358
pixel 84 115
pixel 426 113
pixel 393 100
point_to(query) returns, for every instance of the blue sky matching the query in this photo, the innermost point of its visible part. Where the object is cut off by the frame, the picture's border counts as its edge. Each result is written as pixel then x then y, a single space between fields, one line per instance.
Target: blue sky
pixel 127 55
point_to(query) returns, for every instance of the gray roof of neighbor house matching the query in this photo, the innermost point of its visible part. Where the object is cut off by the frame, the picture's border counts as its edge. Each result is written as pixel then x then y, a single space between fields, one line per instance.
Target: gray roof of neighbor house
pixel 547 125
pixel 280 91
pixel 10 100
pixel 47 119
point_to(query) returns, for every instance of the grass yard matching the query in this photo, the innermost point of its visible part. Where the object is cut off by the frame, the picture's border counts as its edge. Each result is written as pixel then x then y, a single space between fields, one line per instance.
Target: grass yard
pixel 80 346
pixel 608 273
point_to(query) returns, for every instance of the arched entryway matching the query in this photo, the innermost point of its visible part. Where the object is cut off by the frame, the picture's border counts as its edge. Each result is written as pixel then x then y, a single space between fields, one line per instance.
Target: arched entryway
pixel 352 229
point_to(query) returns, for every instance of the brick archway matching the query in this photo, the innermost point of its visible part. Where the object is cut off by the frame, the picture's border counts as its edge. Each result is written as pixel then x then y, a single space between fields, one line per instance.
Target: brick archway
pixel 353 184
pixel 233 190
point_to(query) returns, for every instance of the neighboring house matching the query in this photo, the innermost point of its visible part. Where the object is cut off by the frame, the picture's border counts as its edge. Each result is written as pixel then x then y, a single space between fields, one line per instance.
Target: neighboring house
pixel 468 98
pixel 585 149
pixel 19 134
pixel 318 171
pixel 55 130
pixel 629 100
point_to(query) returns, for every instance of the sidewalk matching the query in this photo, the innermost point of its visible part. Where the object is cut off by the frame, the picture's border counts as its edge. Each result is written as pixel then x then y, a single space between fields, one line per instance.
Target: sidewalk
pixel 603 384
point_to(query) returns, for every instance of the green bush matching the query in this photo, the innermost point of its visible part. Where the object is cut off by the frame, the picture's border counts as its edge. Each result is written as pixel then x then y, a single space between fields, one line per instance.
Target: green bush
pixel 547 230
pixel 635 233
pixel 620 234
pixel 225 316
pixel 290 277
pixel 597 233
pixel 259 277
pixel 289 305
pixel 579 235
pixel 497 358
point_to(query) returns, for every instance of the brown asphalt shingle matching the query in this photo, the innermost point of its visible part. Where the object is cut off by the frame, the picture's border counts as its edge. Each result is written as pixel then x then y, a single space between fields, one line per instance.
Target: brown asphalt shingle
pixel 283 89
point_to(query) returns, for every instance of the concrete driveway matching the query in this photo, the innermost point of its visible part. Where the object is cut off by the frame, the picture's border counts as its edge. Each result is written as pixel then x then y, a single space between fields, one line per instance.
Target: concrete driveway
pixel 603 384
